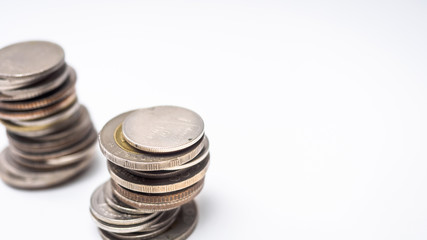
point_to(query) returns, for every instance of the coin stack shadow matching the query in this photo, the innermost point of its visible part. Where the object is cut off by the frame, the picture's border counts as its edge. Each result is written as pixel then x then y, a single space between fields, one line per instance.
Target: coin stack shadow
pixel 51 136
pixel 151 190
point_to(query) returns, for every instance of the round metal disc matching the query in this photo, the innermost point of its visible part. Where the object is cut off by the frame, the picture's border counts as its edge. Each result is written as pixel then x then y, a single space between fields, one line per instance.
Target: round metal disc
pixel 163 129
pixel 30 58
pixel 27 178
pixel 102 211
pixel 145 185
pixel 117 150
pixel 183 226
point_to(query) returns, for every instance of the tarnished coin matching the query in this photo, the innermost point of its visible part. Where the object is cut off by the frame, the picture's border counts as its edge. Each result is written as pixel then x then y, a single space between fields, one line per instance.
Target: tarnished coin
pixel 22 177
pixel 181 228
pixel 27 59
pixel 117 150
pixel 145 185
pixel 103 212
pixel 163 129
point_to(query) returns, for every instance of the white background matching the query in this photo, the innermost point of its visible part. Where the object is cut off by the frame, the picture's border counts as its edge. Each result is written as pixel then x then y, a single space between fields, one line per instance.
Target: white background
pixel 315 110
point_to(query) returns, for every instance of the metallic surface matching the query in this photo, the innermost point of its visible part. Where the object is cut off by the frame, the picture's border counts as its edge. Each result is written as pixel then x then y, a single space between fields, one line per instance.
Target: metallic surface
pixel 116 149
pixel 163 129
pixel 182 227
pixel 145 185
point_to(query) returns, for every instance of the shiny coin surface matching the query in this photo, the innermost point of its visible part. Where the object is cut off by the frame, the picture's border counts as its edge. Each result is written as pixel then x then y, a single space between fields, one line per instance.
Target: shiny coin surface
pixel 181 228
pixel 31 58
pixel 163 129
pixel 117 150
pixel 145 185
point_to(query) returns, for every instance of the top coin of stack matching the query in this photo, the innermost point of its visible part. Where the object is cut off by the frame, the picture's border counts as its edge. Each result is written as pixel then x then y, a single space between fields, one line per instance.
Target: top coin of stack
pixel 158 158
pixel 51 135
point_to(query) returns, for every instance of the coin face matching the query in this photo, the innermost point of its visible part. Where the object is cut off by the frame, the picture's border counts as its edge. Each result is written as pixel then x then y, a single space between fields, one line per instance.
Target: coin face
pixel 163 129
pixel 116 149
pixel 180 229
pixel 30 58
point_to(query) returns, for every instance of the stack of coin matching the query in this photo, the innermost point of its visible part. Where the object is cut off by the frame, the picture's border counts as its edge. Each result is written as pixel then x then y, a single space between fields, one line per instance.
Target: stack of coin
pixel 51 136
pixel 157 159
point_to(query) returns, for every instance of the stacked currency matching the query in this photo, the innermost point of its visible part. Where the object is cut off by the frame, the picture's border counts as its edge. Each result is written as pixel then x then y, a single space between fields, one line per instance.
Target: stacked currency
pixel 51 136
pixel 157 160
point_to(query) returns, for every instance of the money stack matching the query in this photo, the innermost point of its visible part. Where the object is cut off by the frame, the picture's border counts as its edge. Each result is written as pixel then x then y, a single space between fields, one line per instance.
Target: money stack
pixel 157 160
pixel 51 136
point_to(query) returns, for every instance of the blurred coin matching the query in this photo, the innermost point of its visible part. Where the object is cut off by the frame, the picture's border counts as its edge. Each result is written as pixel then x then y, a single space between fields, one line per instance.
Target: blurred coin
pixel 27 178
pixel 28 59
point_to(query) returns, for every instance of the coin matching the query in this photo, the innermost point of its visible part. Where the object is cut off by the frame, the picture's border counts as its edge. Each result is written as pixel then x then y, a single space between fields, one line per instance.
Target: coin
pixel 163 129
pixel 145 185
pixel 26 178
pixel 50 134
pixel 41 112
pixel 181 228
pixel 158 176
pixel 39 88
pixel 120 206
pixel 154 203
pixel 44 100
pixel 116 149
pixel 33 58
pixel 102 211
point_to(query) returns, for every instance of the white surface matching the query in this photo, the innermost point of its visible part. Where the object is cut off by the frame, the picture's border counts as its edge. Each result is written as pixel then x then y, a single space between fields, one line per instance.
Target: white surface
pixel 316 112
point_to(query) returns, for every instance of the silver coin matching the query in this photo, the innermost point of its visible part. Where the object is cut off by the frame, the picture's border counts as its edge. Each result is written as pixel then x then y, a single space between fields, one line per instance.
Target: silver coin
pixel 51 131
pixel 117 150
pixel 146 185
pixel 48 84
pixel 117 228
pixel 181 228
pixel 87 140
pixel 26 59
pixel 27 178
pixel 202 155
pixel 103 212
pixel 34 145
pixel 45 100
pixel 163 129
